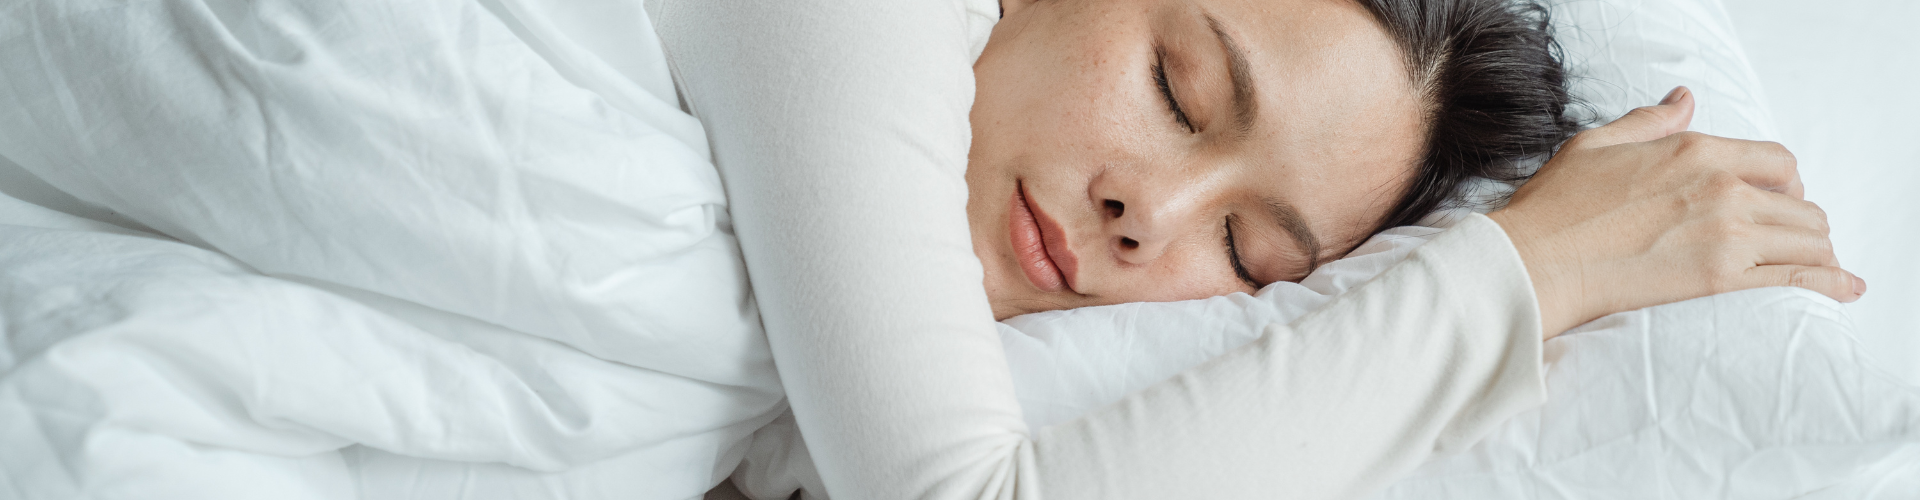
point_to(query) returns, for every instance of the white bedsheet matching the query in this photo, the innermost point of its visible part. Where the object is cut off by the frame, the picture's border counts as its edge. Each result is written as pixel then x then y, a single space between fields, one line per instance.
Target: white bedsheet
pixel 1749 395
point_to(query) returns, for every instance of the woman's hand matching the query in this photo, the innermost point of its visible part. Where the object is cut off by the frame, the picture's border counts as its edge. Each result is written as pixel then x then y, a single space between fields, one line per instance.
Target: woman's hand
pixel 1639 213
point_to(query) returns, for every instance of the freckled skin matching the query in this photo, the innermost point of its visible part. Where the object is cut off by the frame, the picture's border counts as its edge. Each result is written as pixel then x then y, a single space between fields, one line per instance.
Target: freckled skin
pixel 1067 106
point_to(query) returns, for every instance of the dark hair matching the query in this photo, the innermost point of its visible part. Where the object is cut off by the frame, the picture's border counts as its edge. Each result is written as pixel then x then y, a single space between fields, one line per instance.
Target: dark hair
pixel 1490 74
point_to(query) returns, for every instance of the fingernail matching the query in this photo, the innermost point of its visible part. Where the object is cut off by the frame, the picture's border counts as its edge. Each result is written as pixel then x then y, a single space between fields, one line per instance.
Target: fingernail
pixel 1674 96
pixel 1859 286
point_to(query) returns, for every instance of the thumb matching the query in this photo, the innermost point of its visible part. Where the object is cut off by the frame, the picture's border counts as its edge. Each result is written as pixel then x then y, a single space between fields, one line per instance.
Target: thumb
pixel 1671 116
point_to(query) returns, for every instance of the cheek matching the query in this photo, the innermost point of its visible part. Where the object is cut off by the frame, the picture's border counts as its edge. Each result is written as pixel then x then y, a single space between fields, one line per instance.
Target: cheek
pixel 1070 93
pixel 1192 271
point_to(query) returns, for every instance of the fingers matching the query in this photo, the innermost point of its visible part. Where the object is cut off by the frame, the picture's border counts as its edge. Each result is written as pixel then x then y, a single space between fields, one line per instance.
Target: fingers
pixel 1787 245
pixel 1671 116
pixel 1829 281
pixel 1765 165
pixel 1796 189
pixel 1777 209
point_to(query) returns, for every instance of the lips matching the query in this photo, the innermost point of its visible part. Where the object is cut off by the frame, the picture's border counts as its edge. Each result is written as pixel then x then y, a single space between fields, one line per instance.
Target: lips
pixel 1040 245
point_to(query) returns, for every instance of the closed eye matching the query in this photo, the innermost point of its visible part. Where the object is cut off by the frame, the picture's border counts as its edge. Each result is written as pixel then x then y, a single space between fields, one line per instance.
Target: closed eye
pixel 1160 80
pixel 1233 257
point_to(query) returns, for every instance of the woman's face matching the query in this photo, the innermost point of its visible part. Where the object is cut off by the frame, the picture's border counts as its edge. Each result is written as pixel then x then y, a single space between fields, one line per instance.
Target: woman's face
pixel 1160 150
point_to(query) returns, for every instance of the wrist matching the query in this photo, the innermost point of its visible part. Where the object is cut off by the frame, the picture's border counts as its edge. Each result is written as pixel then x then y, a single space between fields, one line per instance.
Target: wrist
pixel 1556 290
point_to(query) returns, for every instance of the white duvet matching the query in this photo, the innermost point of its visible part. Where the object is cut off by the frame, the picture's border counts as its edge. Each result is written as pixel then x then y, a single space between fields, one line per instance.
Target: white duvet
pixel 413 259
pixel 412 250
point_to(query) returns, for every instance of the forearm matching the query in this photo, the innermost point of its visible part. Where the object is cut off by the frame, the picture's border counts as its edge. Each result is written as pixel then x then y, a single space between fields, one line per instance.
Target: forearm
pixel 860 257
pixel 1427 357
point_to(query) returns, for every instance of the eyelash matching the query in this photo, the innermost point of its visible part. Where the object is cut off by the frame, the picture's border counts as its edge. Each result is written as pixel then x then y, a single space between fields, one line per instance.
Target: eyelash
pixel 1233 258
pixel 1160 80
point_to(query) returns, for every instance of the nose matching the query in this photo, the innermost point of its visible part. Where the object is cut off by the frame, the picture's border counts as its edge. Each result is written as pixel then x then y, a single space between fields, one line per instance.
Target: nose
pixel 1142 215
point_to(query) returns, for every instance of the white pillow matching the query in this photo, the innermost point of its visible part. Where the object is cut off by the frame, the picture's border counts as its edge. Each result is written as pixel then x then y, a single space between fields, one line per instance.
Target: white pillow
pixel 1624 54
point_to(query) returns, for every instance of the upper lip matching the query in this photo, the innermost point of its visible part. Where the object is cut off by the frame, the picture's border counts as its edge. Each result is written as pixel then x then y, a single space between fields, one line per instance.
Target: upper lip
pixel 1053 239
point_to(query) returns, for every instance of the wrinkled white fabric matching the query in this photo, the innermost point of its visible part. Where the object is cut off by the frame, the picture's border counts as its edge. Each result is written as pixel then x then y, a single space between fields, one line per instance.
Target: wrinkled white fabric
pixel 1629 53
pixel 145 368
pixel 1750 395
pixel 407 229
pixel 421 152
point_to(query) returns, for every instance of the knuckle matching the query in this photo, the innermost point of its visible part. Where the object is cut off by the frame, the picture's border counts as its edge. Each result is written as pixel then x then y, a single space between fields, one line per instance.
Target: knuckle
pixel 1724 185
pixel 1811 278
pixel 1725 231
pixel 1693 147
pixel 1693 141
pixel 1644 112
pixel 1781 154
pixel 1818 251
pixel 1724 281
pixel 1820 222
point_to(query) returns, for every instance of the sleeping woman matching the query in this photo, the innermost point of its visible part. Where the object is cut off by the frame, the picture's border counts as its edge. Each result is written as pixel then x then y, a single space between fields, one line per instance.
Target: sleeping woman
pixel 1159 150
pixel 1182 150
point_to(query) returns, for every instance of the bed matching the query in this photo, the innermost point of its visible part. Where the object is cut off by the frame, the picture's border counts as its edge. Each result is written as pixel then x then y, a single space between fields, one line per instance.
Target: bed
pixel 551 396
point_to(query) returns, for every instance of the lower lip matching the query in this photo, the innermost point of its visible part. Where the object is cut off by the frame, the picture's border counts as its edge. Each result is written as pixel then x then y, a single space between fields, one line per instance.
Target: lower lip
pixel 1030 248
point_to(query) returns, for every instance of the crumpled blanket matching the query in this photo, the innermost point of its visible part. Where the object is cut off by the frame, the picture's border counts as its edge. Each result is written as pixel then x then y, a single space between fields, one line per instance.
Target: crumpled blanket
pixel 359 240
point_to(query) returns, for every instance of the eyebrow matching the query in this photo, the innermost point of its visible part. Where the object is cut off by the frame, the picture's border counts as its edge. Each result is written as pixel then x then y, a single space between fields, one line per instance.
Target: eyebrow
pixel 1296 227
pixel 1240 72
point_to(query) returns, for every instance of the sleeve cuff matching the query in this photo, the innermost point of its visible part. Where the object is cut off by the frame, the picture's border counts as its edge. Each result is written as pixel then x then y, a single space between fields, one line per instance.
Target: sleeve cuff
pixel 1477 267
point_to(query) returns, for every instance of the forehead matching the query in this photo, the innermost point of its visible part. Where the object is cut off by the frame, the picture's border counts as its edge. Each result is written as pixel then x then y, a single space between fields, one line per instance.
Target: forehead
pixel 1341 126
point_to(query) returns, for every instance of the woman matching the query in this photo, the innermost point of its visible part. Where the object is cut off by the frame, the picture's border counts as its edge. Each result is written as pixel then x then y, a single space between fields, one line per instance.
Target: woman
pixel 893 370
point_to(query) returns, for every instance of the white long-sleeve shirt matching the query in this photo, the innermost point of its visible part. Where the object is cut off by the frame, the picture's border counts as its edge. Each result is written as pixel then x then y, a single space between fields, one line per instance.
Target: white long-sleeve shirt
pixel 840 128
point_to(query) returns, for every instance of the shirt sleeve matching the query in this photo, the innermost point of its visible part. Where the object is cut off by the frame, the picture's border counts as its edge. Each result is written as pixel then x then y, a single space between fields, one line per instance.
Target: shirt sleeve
pixel 1427 358
pixel 840 129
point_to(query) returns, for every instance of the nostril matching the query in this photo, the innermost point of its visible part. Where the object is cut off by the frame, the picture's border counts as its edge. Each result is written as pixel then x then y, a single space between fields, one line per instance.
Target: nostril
pixel 1128 243
pixel 1115 208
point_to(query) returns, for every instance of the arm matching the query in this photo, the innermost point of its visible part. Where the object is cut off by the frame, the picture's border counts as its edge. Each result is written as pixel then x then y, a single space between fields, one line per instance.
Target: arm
pixel 1439 349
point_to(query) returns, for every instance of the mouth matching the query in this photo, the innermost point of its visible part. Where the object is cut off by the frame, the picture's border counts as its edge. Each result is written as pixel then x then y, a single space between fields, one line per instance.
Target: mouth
pixel 1040 244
